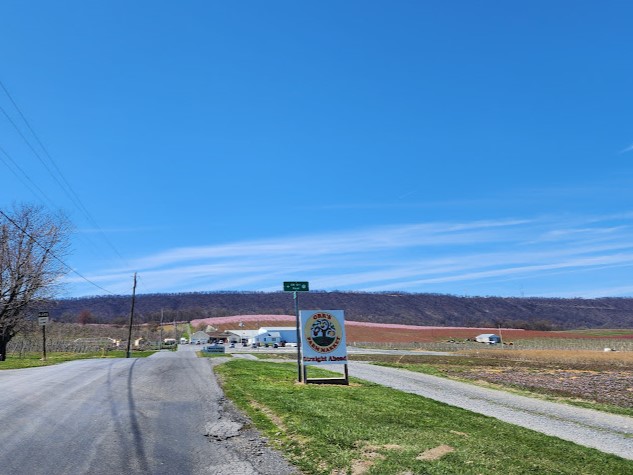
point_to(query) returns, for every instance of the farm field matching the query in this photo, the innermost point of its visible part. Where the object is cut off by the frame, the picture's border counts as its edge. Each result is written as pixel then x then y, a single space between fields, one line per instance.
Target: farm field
pixel 362 332
pixel 570 366
pixel 599 380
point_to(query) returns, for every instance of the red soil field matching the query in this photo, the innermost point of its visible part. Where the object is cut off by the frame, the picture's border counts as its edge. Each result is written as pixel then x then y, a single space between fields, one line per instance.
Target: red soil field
pixel 386 333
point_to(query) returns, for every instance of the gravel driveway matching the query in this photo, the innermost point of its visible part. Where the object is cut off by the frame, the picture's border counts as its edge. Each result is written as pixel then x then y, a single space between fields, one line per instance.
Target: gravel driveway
pixel 606 432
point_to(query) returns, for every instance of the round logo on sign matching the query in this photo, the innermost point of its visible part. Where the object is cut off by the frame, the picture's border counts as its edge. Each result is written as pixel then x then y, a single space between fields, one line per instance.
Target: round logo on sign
pixel 323 332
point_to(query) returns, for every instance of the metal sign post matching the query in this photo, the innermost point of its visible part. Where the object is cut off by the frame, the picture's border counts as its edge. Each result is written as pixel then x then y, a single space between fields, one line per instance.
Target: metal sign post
pixel 295 287
pixel 42 319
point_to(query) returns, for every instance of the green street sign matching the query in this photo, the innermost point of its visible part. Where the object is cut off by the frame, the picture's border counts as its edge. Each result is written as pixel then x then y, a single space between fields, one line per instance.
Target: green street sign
pixel 296 287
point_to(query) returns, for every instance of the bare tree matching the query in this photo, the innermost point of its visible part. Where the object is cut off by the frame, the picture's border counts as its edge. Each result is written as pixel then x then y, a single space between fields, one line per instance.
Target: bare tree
pixel 33 243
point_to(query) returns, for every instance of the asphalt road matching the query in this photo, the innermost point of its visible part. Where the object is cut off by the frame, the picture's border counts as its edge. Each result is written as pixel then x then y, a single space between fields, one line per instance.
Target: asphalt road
pixel 159 415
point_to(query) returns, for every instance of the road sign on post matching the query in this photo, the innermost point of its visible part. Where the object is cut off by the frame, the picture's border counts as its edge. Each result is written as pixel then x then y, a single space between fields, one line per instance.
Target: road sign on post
pixel 42 319
pixel 295 287
pixel 323 341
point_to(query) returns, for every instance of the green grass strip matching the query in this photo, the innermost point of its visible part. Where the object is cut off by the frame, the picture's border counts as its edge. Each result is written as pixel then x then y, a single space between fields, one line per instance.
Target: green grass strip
pixel 203 354
pixel 369 427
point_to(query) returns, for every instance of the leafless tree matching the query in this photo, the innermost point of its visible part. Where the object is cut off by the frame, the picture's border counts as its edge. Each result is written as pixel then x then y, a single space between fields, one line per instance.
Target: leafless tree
pixel 33 243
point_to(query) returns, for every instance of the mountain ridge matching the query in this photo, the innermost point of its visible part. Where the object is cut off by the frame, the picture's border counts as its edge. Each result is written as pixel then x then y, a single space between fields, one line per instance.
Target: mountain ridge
pixel 534 313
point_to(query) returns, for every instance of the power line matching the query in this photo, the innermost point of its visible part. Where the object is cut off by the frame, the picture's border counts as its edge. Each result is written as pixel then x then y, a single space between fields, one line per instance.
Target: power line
pixel 11 164
pixel 59 178
pixel 52 253
pixel 25 176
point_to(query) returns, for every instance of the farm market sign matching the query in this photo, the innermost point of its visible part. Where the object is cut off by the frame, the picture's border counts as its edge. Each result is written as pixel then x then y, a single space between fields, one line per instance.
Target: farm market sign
pixel 323 337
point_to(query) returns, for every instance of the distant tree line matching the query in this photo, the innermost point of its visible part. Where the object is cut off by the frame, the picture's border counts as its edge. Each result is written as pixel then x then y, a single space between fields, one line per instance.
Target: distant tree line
pixel 379 307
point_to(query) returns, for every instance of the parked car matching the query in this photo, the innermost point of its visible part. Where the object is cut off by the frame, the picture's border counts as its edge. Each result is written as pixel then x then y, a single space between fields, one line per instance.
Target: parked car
pixel 232 345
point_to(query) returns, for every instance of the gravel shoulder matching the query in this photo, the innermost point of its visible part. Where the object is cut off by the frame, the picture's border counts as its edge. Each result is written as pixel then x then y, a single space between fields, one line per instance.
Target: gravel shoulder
pixel 606 432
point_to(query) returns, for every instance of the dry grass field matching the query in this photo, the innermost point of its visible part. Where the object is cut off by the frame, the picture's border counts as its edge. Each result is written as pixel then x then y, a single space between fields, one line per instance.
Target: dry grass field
pixel 592 378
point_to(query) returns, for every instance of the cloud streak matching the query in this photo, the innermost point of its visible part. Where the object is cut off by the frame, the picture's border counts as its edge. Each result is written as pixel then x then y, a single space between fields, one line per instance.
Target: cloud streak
pixel 494 257
pixel 627 149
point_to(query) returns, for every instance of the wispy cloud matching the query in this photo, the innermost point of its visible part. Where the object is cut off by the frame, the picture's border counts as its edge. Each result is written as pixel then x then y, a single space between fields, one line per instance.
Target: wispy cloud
pixel 427 257
pixel 627 149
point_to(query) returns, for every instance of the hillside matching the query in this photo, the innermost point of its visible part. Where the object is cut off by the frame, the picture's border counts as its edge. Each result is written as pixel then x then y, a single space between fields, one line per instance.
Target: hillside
pixel 398 308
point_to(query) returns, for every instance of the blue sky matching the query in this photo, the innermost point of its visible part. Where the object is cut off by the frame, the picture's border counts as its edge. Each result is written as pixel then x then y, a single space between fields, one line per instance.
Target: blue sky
pixel 470 148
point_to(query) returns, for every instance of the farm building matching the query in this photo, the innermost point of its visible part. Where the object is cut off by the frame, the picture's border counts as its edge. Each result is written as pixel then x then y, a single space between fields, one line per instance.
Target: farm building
pixel 268 338
pixel 199 338
pixel 244 337
pixel 281 335
pixel 264 336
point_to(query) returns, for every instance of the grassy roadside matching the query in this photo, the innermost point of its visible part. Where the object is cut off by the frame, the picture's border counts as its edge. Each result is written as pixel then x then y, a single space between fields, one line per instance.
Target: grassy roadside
pixel 202 354
pixel 368 428
pixel 32 360
pixel 461 367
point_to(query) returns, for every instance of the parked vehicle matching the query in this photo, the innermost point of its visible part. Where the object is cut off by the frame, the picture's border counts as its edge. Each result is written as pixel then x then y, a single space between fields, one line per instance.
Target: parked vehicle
pixel 489 338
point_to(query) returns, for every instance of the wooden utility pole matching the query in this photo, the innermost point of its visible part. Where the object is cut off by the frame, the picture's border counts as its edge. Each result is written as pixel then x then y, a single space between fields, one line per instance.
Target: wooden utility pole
pixel 160 331
pixel 44 342
pixel 129 334
pixel 43 321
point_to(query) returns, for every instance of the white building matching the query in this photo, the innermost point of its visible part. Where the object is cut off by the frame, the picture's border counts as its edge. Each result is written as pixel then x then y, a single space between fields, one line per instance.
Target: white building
pixel 279 335
pixel 199 338
pixel 264 336
pixel 268 338
pixel 244 337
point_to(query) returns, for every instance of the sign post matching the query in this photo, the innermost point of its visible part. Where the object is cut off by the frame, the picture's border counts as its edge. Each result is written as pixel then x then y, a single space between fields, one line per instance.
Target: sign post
pixel 323 339
pixel 295 287
pixel 42 319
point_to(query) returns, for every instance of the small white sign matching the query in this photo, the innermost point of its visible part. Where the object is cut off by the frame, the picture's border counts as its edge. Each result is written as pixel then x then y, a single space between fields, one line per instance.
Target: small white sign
pixel 323 337
pixel 42 321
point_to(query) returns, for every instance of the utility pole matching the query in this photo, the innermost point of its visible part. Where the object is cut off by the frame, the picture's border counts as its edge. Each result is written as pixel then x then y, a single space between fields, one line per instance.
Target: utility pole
pixel 44 342
pixel 43 321
pixel 129 334
pixel 160 331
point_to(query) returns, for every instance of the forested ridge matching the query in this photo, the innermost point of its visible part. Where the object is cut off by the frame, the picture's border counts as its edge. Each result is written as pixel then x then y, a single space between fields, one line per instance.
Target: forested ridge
pixel 377 307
